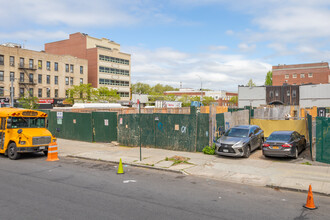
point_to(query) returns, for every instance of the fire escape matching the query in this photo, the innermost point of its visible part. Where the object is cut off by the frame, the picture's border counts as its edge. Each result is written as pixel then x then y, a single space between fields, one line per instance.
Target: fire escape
pixel 29 73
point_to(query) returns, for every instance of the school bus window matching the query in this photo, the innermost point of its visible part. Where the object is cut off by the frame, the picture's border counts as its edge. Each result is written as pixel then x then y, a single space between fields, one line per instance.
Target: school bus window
pixel 31 122
pixel 3 124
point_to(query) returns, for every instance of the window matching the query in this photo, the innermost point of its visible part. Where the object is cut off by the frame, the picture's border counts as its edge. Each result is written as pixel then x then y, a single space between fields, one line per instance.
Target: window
pixel 71 81
pixel 302 75
pixel 12 61
pixel 39 78
pixel 1 76
pixel 56 80
pixel 56 93
pixel 2 62
pixel 71 68
pixel 271 94
pixel 81 80
pixel 2 91
pixel 288 93
pixel 310 75
pixel 48 65
pixel 293 93
pixel 56 66
pixel 113 82
pixel 21 62
pixel 31 91
pixel 67 68
pixel 12 76
pixel 21 92
pixel 48 79
pixel 39 93
pixel 31 78
pixel 113 59
pixel 294 75
pixel 81 69
pixel 66 80
pixel 21 77
pixel 39 64
pixel 287 76
pixel 276 93
pixel 31 63
pixel 48 92
pixel 103 69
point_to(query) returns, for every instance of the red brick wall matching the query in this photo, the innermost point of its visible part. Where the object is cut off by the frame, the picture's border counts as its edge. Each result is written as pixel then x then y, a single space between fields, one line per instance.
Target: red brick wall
pixel 92 56
pixel 320 74
pixel 75 46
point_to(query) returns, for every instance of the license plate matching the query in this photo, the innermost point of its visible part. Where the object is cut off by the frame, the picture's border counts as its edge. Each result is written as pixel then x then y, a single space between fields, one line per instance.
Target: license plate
pixel 225 150
pixel 275 147
pixel 42 148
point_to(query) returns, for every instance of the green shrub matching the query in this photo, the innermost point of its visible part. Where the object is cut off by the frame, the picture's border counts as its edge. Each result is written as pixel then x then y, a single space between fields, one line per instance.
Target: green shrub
pixel 209 150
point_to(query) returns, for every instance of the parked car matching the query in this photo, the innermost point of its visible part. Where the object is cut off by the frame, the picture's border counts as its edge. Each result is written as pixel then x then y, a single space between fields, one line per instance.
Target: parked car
pixel 284 144
pixel 240 141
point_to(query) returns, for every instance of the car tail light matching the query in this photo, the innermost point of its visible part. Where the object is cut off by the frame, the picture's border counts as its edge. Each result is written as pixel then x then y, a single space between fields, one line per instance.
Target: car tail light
pixel 286 145
pixel 265 145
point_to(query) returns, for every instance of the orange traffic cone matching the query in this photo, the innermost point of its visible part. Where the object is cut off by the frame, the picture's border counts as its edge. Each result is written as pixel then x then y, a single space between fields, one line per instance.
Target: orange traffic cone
pixel 310 200
pixel 52 152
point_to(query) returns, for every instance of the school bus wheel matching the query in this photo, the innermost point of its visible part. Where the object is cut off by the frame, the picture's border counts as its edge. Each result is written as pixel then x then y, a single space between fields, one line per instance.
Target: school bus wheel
pixel 12 151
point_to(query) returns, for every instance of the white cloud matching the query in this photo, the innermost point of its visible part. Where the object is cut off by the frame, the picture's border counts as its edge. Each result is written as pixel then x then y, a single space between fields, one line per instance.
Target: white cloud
pixel 219 47
pixel 229 32
pixel 246 48
pixel 217 71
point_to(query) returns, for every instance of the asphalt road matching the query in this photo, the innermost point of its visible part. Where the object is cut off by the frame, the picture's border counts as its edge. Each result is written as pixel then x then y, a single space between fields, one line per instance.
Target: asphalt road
pixel 31 188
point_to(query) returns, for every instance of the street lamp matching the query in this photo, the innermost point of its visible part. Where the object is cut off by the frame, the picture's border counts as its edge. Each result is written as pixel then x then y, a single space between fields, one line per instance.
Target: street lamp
pixel 201 87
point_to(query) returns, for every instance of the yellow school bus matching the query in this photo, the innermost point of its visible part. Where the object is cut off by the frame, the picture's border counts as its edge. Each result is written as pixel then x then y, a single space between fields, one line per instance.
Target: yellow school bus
pixel 23 131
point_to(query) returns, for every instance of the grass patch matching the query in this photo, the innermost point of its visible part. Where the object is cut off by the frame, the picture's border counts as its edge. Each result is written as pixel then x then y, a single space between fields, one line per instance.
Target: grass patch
pixel 178 159
pixel 209 150
pixel 307 163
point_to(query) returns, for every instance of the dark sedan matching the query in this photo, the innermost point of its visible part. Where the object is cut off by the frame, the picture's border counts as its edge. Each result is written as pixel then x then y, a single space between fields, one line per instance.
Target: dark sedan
pixel 240 141
pixel 284 144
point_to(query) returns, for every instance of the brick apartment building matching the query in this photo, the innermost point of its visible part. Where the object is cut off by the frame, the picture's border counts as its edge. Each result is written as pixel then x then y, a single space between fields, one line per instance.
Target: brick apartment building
pixel 107 66
pixel 39 74
pixel 298 74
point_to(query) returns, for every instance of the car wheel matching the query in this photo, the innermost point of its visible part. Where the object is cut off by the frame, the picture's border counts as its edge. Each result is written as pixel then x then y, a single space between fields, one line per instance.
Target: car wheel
pixel 12 152
pixel 247 152
pixel 45 152
pixel 296 152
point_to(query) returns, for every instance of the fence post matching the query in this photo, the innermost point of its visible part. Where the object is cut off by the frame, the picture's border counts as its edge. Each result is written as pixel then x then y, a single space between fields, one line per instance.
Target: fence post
pixel 212 124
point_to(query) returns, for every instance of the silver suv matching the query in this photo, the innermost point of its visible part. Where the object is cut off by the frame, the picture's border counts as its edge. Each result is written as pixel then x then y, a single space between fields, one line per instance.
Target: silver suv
pixel 240 141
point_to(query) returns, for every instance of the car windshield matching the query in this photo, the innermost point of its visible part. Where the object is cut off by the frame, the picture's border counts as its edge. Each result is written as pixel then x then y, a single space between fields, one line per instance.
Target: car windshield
pixel 279 137
pixel 237 132
pixel 28 122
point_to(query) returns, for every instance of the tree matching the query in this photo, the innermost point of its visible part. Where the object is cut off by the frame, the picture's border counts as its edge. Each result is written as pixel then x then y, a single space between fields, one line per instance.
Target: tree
pixel 234 100
pixel 207 100
pixel 269 79
pixel 104 94
pixel 185 100
pixel 250 83
pixel 29 102
pixel 141 88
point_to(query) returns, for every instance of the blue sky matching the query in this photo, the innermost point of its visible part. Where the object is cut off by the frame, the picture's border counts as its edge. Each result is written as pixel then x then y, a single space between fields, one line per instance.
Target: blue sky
pixel 223 43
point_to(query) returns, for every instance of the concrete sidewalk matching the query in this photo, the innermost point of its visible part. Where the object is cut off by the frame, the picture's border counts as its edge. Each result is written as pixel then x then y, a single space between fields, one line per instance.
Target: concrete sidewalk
pixel 252 171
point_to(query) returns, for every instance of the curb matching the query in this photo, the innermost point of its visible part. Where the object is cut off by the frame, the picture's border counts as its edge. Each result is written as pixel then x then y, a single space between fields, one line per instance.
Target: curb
pixel 296 190
pixel 131 164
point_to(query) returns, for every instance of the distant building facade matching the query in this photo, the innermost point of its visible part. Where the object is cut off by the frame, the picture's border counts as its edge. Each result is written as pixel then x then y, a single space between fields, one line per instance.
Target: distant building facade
pixel 298 74
pixel 315 95
pixel 251 96
pixel 222 97
pixel 282 95
pixel 43 75
pixel 107 66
